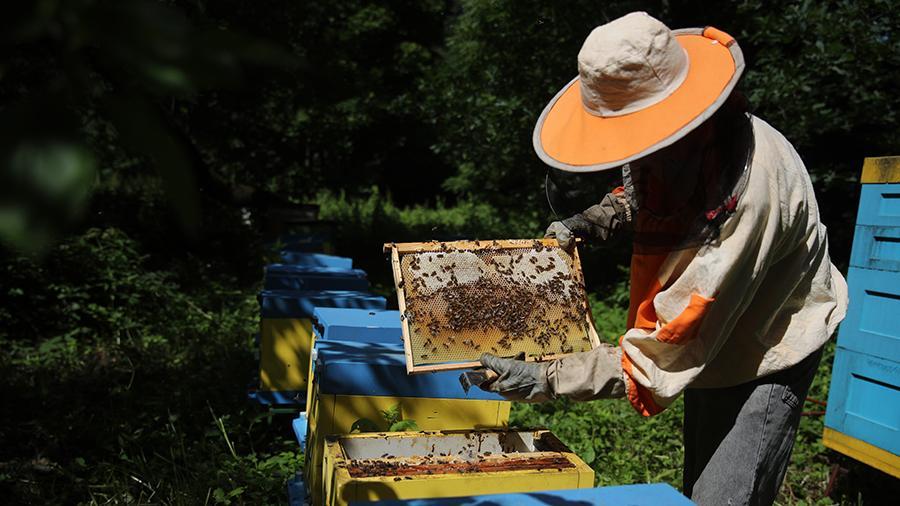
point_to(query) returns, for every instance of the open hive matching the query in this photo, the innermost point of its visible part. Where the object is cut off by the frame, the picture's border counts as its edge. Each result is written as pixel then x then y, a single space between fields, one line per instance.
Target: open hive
pixel 461 299
pixel 409 465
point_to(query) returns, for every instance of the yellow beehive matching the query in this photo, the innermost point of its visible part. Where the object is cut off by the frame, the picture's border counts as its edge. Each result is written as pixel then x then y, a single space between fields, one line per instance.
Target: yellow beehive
pixel 356 382
pixel 286 335
pixel 415 465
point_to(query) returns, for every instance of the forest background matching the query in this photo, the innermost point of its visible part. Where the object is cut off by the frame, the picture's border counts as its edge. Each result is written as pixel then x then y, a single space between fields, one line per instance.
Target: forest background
pixel 145 146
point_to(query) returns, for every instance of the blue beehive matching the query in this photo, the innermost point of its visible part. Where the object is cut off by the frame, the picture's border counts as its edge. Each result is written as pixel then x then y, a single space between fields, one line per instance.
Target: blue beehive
pixel 305 278
pixel 656 494
pixel 863 415
pixel 286 337
pixel 315 259
pixel 343 324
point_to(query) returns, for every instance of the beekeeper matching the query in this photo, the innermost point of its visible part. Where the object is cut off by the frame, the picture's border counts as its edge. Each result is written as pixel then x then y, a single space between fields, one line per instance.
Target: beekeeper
pixel 733 293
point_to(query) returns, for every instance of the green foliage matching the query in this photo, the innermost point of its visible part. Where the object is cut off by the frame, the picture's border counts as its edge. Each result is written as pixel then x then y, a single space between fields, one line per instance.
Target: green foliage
pixel 115 374
pixel 366 223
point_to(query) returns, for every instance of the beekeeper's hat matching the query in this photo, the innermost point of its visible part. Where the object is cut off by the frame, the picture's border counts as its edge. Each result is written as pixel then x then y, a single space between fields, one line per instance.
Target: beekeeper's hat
pixel 640 87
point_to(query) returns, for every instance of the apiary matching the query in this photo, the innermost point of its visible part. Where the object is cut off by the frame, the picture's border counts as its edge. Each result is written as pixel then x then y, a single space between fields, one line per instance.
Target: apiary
pixel 355 382
pixel 462 299
pixel 647 494
pixel 307 259
pixel 410 465
pixel 286 335
pixel 304 278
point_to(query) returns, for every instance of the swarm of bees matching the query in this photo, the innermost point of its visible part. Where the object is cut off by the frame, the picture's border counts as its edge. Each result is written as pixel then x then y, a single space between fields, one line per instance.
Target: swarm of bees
pixel 461 303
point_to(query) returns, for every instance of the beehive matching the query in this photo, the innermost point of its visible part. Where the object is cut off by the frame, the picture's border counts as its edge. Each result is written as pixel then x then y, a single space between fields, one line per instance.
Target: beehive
pixel 648 494
pixel 461 299
pixel 305 278
pixel 286 335
pixel 410 465
pixel 355 381
pixel 863 415
pixel 356 325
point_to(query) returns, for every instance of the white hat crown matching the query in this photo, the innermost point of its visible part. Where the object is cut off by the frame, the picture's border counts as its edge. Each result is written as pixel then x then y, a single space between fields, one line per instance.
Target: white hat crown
pixel 630 64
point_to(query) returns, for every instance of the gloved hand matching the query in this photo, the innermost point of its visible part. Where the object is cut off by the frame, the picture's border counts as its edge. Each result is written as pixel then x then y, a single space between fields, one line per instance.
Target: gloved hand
pixel 559 231
pixel 518 380
pixel 601 221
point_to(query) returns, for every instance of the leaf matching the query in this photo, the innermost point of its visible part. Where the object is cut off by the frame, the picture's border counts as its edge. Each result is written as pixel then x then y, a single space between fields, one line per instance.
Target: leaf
pixel 392 414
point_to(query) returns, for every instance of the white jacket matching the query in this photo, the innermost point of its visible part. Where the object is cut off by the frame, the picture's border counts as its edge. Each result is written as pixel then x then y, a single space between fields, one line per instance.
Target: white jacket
pixel 759 300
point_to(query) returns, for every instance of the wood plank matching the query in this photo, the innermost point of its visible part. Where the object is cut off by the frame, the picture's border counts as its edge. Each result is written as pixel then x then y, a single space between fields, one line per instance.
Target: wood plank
pixel 862 451
pixel 882 169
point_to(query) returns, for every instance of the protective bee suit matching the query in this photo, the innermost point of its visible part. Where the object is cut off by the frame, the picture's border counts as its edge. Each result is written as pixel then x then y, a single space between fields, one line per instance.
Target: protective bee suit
pixel 732 291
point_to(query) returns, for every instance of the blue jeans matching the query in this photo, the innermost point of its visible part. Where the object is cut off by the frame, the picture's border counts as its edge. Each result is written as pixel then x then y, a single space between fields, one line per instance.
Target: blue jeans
pixel 738 440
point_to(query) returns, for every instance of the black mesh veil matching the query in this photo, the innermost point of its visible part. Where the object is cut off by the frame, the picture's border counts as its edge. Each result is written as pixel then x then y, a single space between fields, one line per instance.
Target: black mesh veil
pixel 570 193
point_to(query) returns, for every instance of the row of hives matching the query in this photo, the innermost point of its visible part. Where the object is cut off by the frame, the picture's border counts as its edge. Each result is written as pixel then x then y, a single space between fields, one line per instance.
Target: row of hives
pixel 330 350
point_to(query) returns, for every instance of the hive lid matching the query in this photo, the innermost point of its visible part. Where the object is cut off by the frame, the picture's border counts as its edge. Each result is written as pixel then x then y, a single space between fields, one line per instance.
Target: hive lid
pixel 362 325
pixel 461 299
pixel 379 369
pixel 301 304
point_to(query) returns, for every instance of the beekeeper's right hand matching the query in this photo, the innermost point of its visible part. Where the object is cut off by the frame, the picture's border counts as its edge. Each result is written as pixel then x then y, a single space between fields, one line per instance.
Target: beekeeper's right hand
pixel 559 231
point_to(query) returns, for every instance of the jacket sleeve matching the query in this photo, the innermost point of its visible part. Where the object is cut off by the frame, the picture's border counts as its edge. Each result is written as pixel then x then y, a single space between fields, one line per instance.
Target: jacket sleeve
pixel 603 220
pixel 704 293
pixel 595 374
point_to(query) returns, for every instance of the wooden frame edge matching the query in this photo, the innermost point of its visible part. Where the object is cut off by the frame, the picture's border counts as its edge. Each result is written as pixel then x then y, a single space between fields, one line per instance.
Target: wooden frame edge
pixel 401 306
pixel 422 247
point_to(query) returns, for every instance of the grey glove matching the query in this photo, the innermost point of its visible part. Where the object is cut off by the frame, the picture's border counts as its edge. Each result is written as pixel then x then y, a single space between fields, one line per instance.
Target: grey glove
pixel 559 231
pixel 601 221
pixel 517 380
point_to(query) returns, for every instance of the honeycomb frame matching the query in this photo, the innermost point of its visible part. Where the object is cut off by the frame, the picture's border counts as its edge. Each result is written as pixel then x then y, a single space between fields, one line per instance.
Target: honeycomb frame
pixel 526 296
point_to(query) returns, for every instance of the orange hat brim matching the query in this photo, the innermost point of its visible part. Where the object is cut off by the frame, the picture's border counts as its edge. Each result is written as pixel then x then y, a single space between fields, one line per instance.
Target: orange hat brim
pixel 570 138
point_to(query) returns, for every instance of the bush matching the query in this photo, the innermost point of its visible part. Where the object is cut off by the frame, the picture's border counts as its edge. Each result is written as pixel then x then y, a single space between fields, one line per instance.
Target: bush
pixel 123 386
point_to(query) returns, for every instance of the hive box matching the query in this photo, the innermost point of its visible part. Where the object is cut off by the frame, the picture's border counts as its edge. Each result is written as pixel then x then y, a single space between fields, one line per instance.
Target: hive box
pixel 863 415
pixel 286 336
pixel 305 278
pixel 650 494
pixel 357 325
pixel 412 465
pixel 354 382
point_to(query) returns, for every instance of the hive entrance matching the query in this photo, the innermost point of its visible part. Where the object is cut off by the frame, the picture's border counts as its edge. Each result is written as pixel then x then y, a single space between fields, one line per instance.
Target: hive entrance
pixel 465 298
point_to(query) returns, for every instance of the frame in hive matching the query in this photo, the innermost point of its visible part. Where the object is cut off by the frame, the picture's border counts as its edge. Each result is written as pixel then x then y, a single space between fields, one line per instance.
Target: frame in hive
pixel 460 299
